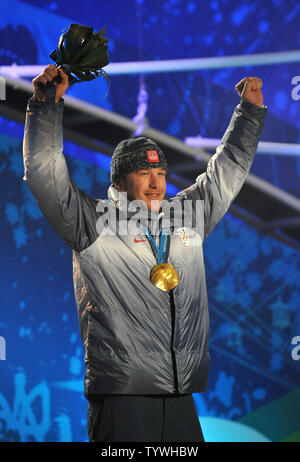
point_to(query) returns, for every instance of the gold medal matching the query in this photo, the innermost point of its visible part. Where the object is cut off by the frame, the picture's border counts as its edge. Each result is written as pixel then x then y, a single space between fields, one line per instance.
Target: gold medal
pixel 164 276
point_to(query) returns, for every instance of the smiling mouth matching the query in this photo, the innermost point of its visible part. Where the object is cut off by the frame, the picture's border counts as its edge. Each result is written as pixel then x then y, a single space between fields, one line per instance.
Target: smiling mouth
pixel 155 195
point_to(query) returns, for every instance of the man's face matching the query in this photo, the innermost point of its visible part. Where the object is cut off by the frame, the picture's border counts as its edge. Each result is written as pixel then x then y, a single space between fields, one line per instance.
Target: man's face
pixel 148 185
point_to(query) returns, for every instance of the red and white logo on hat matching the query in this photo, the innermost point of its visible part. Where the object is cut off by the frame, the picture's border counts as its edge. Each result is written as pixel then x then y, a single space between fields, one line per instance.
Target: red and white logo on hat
pixel 152 155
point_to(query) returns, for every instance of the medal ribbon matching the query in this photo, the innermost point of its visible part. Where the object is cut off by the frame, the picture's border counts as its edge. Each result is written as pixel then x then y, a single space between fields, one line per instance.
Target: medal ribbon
pixel 163 275
pixel 161 252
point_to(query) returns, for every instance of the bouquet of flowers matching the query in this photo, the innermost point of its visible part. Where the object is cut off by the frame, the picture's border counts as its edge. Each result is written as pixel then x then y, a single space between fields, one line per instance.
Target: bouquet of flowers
pixel 82 53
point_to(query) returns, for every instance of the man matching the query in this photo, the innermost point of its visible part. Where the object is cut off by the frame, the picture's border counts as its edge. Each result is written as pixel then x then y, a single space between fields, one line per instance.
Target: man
pixel 145 327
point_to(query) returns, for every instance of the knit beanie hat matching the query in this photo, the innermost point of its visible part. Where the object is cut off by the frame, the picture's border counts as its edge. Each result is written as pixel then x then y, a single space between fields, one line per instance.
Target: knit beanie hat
pixel 135 154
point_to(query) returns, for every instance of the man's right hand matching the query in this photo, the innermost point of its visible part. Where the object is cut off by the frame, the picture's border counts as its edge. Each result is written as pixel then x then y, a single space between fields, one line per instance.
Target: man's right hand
pixel 40 83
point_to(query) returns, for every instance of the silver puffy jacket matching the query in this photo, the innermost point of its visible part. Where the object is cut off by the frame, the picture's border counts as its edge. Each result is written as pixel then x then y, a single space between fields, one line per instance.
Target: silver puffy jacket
pixel 137 339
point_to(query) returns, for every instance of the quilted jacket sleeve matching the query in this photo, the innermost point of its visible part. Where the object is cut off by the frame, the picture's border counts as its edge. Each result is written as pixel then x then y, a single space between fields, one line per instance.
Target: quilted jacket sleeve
pixel 70 211
pixel 215 189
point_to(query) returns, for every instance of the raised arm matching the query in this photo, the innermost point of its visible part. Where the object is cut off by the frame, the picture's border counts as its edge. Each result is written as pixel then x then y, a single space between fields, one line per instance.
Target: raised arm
pixel 215 189
pixel 70 211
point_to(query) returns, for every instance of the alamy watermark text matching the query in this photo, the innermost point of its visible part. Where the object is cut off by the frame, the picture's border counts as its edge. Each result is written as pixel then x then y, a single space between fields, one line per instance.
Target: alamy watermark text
pixel 2 348
pixel 296 90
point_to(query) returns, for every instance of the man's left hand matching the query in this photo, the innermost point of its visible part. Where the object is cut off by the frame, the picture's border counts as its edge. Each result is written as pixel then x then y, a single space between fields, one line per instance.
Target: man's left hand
pixel 249 89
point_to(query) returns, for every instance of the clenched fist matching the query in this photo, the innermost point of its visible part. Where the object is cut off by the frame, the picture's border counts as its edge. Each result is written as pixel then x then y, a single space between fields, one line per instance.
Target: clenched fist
pixel 49 73
pixel 249 88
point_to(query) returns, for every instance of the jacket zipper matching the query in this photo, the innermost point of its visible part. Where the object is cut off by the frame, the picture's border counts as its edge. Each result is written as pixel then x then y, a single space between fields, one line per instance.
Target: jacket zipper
pixel 172 303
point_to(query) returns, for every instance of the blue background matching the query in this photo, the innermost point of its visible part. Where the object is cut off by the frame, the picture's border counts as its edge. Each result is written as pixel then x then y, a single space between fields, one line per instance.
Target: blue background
pixel 253 280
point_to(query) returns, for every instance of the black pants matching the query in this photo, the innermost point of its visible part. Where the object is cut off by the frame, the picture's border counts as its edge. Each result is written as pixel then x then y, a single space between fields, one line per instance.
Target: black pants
pixel 143 418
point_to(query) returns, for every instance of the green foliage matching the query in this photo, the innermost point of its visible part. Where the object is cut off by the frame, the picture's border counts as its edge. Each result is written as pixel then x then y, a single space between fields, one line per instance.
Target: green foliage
pixel 82 53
